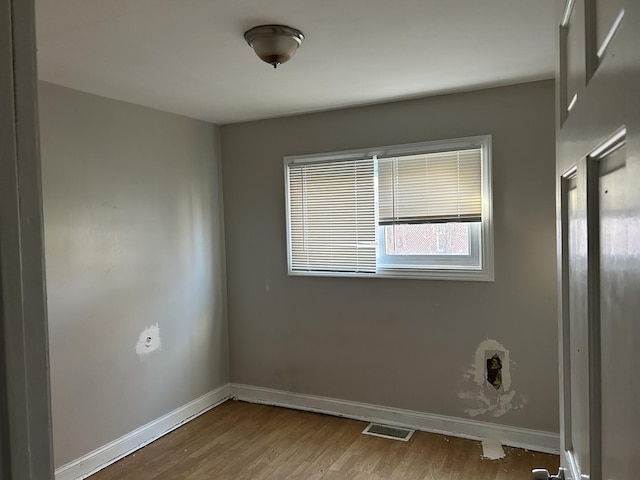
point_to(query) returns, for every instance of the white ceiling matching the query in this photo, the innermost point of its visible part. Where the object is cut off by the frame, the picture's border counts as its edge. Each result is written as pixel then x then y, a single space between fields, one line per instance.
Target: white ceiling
pixel 189 56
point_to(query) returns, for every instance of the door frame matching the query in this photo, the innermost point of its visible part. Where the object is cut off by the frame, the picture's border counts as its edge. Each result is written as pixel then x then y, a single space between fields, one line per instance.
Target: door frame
pixel 26 451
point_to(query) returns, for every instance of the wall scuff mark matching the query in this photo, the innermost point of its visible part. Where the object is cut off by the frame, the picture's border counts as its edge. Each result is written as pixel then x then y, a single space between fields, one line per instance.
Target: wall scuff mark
pixel 490 376
pixel 148 342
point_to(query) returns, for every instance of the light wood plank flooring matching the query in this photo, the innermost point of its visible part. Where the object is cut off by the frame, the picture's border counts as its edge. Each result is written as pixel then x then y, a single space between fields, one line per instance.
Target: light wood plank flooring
pixel 242 441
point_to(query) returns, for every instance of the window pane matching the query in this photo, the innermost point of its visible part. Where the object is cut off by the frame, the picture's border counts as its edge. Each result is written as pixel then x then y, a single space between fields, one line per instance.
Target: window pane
pixel 427 239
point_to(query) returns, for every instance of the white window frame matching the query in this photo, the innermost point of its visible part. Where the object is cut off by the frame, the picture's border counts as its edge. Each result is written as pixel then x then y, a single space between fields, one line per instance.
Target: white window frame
pixel 483 272
pixel 446 262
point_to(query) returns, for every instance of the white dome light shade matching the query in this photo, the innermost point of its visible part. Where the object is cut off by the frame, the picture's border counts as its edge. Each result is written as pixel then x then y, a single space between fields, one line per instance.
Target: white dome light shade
pixel 274 44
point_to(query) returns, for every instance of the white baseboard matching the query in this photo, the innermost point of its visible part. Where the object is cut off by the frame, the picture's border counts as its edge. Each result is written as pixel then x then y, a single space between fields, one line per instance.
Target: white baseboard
pixel 123 446
pixel 536 440
pixel 459 427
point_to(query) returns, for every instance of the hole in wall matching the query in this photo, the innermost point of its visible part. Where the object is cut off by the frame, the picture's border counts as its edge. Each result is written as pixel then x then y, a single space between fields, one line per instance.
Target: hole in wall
pixel 494 371
pixel 491 391
pixel 148 342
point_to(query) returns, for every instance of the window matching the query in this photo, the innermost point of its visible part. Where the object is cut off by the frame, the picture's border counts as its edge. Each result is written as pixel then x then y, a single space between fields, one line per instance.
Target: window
pixel 413 211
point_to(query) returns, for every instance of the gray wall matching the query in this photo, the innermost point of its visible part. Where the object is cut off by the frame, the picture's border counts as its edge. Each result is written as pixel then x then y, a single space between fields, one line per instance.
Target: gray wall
pixel 134 238
pixel 400 343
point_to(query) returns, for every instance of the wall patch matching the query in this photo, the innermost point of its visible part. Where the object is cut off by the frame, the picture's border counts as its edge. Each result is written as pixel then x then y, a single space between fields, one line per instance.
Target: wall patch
pixel 148 342
pixel 492 449
pixel 489 377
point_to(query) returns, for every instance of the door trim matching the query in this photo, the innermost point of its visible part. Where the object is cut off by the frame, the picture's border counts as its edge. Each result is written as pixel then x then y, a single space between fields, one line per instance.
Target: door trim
pixel 25 412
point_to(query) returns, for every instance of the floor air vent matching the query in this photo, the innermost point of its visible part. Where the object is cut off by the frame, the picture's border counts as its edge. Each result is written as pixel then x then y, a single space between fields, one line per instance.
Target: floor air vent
pixel 394 433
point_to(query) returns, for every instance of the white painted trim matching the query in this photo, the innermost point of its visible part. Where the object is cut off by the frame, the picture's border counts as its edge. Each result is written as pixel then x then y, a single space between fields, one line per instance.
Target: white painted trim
pixel 26 450
pixel 571 461
pixel 539 441
pixel 459 427
pixel 129 443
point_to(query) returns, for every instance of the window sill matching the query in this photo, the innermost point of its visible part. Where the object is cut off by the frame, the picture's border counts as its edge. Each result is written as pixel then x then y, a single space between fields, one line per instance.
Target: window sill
pixel 456 275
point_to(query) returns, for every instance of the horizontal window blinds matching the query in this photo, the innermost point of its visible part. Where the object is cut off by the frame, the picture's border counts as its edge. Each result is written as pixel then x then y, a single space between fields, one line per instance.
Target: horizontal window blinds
pixel 431 188
pixel 332 216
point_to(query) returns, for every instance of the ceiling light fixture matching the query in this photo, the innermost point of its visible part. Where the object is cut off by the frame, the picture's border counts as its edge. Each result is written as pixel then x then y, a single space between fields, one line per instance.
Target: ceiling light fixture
pixel 274 44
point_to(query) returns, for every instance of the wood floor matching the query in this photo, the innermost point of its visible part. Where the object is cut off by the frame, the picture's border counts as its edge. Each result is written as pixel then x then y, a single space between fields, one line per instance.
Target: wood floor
pixel 242 441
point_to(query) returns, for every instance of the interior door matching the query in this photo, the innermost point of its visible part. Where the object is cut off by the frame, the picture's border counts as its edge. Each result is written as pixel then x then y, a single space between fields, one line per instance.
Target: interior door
pixel 25 414
pixel 598 190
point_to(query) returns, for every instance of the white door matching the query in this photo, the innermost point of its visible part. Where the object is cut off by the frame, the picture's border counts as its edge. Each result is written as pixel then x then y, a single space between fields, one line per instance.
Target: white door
pixel 598 189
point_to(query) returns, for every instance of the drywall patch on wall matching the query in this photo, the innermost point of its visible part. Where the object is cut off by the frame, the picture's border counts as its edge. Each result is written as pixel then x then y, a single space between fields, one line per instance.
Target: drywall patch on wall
pixel 492 449
pixel 148 342
pixel 486 395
